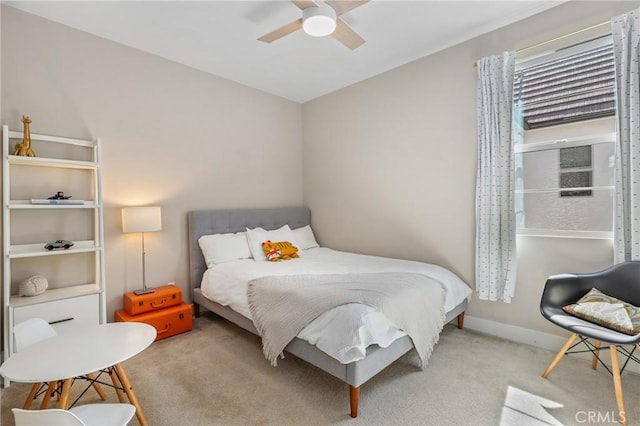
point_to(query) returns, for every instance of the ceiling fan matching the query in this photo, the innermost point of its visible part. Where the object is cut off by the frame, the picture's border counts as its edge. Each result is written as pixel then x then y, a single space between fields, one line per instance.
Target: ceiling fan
pixel 321 19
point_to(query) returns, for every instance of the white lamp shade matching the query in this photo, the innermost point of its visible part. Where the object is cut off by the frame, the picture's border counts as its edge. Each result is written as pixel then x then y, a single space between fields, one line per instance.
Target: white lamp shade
pixel 141 219
pixel 319 21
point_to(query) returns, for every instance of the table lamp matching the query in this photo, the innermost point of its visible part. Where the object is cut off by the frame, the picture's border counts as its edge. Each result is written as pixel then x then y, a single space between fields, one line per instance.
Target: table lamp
pixel 142 219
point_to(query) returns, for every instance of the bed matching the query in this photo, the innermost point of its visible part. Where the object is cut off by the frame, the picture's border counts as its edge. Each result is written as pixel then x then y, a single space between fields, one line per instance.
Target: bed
pixel 355 373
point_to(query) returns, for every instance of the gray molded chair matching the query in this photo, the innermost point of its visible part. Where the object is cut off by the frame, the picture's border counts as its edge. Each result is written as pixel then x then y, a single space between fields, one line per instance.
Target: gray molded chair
pixel 621 281
pixel 33 331
pixel 81 415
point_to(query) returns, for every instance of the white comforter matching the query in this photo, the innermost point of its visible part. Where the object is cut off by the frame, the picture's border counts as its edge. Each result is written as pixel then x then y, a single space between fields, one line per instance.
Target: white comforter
pixel 226 284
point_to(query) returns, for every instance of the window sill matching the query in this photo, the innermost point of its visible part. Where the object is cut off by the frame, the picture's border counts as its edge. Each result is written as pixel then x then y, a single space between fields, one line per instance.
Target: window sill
pixel 553 233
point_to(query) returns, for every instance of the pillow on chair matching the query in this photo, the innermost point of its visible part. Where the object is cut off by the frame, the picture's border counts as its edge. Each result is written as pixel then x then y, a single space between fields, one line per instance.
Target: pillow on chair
pixel 607 311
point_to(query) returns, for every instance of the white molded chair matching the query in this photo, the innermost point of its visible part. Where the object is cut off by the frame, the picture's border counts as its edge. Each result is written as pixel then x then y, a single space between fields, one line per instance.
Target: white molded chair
pixel 26 334
pixel 33 331
pixel 81 415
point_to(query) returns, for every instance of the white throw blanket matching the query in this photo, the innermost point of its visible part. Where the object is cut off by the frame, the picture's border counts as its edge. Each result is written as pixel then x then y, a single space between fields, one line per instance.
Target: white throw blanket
pixel 281 306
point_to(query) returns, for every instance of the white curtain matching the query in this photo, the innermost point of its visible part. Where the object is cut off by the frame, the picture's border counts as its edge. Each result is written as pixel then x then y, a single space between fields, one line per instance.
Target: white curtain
pixel 495 216
pixel 626 42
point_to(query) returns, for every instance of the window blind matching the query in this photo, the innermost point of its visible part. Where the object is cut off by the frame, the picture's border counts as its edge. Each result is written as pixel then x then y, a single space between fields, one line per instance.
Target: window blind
pixel 575 87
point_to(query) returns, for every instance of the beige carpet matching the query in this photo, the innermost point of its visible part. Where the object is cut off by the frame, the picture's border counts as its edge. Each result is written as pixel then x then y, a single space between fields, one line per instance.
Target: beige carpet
pixel 216 375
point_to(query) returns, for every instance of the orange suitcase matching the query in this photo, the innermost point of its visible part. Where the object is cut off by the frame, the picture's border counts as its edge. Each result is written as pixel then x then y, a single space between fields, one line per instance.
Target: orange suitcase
pixel 163 297
pixel 167 322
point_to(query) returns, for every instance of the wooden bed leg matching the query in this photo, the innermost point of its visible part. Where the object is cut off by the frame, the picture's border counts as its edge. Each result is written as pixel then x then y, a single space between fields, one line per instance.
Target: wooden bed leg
pixel 196 310
pixel 461 321
pixel 354 397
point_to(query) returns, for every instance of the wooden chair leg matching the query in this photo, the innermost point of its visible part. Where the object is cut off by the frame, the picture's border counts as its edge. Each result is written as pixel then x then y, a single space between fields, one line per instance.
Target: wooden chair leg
pixel 97 386
pixel 461 321
pixel 31 396
pixel 596 353
pixel 354 397
pixel 617 384
pixel 559 355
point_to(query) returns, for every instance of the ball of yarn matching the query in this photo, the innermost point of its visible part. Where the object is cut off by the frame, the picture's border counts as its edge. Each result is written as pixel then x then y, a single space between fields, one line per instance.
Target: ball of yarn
pixel 33 286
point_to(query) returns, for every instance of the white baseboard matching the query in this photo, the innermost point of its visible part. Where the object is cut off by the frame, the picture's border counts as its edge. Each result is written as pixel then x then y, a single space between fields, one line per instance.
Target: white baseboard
pixel 527 336
pixel 514 333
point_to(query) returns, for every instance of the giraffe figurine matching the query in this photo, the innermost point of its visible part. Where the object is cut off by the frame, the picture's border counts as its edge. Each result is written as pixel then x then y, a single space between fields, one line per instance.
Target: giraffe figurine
pixel 24 148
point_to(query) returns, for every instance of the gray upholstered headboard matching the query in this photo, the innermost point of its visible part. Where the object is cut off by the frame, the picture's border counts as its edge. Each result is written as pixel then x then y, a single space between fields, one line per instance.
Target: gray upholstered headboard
pixel 205 222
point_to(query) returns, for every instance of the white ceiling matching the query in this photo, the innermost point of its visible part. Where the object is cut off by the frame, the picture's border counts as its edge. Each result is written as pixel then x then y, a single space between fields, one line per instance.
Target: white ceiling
pixel 220 37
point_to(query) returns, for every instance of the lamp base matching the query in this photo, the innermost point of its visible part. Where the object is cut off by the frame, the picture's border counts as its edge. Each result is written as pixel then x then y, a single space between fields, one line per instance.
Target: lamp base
pixel 144 291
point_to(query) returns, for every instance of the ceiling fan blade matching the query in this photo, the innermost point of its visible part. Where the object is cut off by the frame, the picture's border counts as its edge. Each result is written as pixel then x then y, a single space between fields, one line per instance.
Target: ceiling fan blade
pixel 345 35
pixel 282 31
pixel 344 6
pixel 303 4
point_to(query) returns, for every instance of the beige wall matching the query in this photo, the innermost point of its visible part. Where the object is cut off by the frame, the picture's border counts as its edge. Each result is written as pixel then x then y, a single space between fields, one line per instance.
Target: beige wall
pixel 172 136
pixel 390 165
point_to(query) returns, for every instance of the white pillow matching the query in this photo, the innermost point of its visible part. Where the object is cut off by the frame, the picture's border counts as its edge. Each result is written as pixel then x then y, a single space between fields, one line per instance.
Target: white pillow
pixel 218 248
pixel 304 238
pixel 257 236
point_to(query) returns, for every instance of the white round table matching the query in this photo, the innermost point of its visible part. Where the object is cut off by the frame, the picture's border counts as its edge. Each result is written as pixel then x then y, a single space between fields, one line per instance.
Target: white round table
pixel 80 352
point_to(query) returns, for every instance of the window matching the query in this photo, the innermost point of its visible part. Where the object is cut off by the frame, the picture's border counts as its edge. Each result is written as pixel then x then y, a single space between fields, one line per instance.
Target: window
pixel 575 171
pixel 564 143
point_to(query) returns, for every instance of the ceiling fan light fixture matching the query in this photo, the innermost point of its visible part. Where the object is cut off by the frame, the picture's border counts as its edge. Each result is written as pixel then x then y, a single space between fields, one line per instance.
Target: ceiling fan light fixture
pixel 318 21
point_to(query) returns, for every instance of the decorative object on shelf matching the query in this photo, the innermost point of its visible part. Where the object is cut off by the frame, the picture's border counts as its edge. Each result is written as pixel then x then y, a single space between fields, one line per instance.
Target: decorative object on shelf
pixel 59 196
pixel 57 199
pixel 59 244
pixel 33 286
pixel 24 148
pixel 142 219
